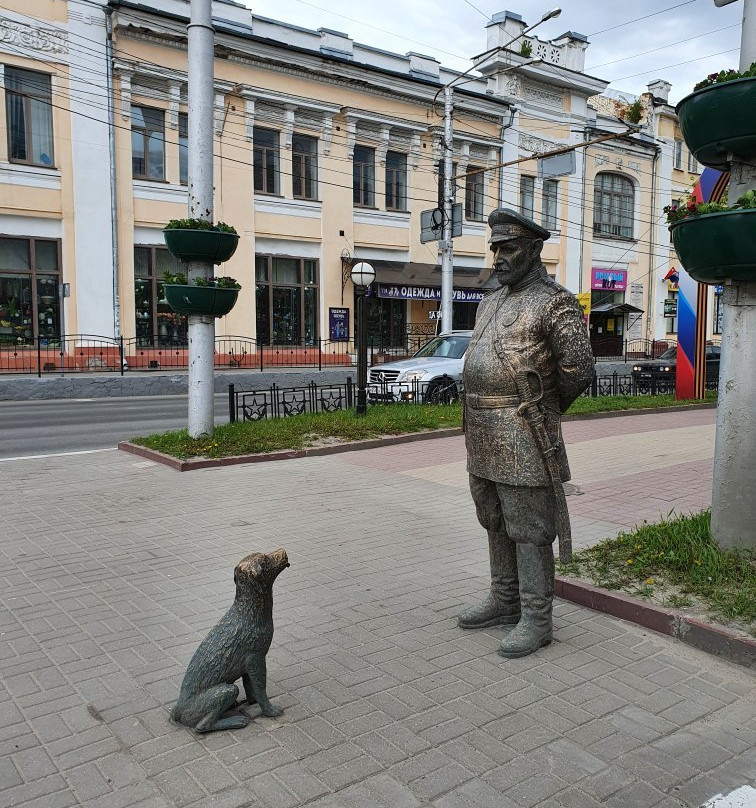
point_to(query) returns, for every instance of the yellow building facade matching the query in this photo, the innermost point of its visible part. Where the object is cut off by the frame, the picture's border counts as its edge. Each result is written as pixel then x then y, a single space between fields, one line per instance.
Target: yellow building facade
pixel 326 152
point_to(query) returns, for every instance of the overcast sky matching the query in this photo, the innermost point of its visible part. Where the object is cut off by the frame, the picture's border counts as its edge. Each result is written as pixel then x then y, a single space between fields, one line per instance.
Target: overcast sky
pixel 682 42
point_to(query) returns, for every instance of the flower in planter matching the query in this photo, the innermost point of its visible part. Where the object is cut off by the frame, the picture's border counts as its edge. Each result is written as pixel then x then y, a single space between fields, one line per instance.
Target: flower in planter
pixel 688 207
pixel 199 224
pixel 726 75
pixel 222 282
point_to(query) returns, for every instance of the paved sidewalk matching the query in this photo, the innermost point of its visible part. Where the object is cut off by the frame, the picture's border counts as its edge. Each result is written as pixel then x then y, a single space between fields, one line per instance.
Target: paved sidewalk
pixel 113 568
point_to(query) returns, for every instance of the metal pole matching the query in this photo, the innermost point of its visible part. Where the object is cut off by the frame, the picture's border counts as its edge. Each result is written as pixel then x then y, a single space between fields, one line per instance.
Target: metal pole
pixel 361 408
pixel 201 330
pixel 733 507
pixel 447 244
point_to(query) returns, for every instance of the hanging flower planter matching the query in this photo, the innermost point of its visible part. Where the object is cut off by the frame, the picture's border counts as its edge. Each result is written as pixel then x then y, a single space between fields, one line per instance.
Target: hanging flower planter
pixel 719 120
pixel 211 301
pixel 716 246
pixel 201 245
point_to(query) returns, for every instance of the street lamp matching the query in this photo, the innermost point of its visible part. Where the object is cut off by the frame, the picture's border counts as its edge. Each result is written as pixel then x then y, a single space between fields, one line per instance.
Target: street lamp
pixel 363 275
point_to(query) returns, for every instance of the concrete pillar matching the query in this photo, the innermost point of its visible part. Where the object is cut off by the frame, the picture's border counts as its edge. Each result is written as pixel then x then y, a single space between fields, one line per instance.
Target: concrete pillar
pixel 200 168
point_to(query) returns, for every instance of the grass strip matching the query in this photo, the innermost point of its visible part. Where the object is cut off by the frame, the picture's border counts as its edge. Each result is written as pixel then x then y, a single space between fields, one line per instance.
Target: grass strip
pixel 301 431
pixel 677 554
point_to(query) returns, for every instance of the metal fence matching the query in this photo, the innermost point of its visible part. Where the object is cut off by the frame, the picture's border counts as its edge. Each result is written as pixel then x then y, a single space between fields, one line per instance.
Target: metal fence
pixel 627 350
pixel 280 402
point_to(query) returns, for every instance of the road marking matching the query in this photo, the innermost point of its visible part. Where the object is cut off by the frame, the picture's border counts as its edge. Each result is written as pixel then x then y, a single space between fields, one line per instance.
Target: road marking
pixel 56 454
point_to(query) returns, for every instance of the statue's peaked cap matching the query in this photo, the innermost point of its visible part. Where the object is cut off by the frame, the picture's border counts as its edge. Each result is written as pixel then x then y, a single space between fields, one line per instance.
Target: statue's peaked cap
pixel 507 224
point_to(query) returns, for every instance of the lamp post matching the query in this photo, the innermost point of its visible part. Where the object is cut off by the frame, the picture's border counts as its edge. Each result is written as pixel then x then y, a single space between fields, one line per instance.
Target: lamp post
pixel 447 242
pixel 363 275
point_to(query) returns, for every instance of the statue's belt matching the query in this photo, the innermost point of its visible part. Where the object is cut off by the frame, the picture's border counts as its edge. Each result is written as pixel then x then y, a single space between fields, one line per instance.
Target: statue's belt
pixel 478 402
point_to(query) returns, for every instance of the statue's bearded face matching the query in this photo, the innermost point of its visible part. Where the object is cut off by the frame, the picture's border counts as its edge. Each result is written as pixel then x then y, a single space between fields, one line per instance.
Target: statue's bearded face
pixel 514 258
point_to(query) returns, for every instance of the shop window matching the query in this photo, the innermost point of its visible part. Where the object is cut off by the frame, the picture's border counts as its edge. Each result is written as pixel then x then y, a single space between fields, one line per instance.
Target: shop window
pixel 363 176
pixel 286 295
pixel 613 202
pixel 550 205
pixel 527 197
pixel 29 302
pixel 671 322
pixel 28 106
pixel 717 314
pixel 183 144
pixel 396 181
pixel 304 167
pixel 156 323
pixel 475 189
pixel 386 322
pixel 265 157
pixel 147 143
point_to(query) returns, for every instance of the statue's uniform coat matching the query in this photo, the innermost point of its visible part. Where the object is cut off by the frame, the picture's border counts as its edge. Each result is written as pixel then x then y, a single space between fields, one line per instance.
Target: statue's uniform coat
pixel 543 323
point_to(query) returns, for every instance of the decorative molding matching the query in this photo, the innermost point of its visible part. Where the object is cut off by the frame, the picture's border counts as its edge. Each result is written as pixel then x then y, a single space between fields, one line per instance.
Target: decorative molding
pixel 543 94
pixel 383 148
pixel 174 91
pixel 307 119
pixel 464 160
pixel 219 113
pixel 288 127
pixel 634 167
pixel 34 37
pixel 327 133
pixel 287 207
pixel 601 159
pixel 415 150
pixel 249 117
pixel 159 191
pixel 125 77
pixel 351 125
pixel 535 145
pixel 30 176
pixel 512 85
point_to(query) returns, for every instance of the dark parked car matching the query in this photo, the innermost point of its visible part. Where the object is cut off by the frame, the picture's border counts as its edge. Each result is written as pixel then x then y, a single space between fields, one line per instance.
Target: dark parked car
pixel 664 369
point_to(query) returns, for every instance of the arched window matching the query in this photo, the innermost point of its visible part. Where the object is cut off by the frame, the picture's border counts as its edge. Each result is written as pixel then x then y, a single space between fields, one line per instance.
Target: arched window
pixel 613 202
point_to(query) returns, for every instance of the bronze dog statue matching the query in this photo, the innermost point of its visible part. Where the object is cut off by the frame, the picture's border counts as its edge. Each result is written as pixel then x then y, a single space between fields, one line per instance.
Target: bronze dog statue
pixel 235 648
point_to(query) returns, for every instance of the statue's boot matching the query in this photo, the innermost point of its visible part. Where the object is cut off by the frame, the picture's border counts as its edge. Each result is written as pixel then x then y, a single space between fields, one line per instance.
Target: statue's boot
pixel 501 606
pixel 535 565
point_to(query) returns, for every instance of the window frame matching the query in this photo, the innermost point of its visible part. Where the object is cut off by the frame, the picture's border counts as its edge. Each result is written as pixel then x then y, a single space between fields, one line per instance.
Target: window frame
pixel 475 194
pixel 363 178
pixel 36 274
pixel 612 216
pixel 154 338
pixel 266 286
pixel 396 182
pixel 27 97
pixel 261 152
pixel 183 146
pixel 146 134
pixel 302 164
pixel 527 190
pixel 550 218
pixel 677 155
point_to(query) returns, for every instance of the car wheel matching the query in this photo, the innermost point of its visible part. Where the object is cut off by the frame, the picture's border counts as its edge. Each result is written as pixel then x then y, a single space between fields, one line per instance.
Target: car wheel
pixel 442 391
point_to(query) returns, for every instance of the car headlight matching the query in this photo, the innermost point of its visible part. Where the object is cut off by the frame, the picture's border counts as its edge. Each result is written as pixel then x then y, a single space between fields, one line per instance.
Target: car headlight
pixel 412 375
pixel 666 369
pixel 637 368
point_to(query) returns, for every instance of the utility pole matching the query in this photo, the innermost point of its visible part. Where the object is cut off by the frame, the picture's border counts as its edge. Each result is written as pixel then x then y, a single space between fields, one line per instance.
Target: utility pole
pixel 733 507
pixel 200 169
pixel 446 245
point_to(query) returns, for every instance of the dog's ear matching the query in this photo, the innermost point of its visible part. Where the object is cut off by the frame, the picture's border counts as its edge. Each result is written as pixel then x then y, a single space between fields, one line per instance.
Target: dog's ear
pixel 248 567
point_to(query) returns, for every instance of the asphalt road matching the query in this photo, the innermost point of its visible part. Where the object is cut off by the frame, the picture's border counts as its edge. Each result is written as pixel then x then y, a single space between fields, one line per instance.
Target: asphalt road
pixel 31 428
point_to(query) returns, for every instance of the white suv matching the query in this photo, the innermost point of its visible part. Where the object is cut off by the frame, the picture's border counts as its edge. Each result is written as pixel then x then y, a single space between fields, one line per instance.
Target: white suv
pixel 432 375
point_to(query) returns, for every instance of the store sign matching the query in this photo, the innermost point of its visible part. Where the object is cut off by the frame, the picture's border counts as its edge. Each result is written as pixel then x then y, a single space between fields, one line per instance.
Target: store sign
pixel 718 289
pixel 673 286
pixel 670 307
pixel 338 324
pixel 584 299
pixel 612 279
pixel 428 293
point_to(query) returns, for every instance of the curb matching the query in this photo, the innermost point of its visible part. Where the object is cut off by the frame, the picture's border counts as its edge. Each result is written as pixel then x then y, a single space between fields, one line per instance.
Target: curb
pixel 589 416
pixel 290 454
pixel 714 640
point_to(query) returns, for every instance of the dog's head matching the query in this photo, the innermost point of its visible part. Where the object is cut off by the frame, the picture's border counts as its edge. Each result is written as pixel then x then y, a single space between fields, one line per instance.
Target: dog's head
pixel 260 569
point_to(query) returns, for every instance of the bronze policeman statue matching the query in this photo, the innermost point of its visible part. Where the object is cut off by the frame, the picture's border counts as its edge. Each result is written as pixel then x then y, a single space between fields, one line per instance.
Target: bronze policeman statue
pixel 529 358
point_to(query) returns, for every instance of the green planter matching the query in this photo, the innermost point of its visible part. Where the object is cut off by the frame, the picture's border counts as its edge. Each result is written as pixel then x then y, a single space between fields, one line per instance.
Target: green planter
pixel 715 246
pixel 719 120
pixel 201 245
pixel 207 300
